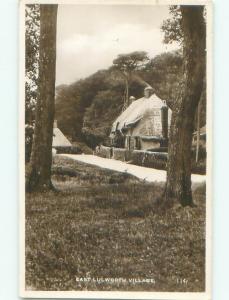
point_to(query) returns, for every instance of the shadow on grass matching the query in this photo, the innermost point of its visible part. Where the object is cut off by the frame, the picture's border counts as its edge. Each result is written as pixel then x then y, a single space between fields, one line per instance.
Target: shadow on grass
pixel 95 227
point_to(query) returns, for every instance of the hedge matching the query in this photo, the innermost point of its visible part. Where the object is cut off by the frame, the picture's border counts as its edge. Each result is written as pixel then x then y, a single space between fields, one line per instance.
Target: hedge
pixel 68 150
pixel 149 159
pixel 160 149
pixel 156 160
pixel 121 154
pixel 103 151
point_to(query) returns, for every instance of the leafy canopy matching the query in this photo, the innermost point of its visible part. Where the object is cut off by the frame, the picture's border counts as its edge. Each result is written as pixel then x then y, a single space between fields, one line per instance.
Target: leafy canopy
pixel 127 63
pixel 172 26
pixel 32 37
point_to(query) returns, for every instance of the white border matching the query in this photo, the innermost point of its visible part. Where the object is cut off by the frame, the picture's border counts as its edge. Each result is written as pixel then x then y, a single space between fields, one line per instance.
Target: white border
pixel 103 294
pixel 120 2
pixel 21 139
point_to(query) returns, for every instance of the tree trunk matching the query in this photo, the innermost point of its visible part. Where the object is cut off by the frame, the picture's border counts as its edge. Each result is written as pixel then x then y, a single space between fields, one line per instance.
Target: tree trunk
pixel 127 91
pixel 178 185
pixel 39 173
pixel 198 132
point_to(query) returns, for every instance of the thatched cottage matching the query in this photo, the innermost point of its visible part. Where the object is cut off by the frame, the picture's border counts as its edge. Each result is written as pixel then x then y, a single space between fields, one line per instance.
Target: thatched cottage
pixel 144 124
pixel 59 139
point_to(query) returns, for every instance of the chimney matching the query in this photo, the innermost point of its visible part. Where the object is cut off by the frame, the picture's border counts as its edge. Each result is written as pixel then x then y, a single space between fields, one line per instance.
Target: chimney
pixel 55 124
pixel 148 91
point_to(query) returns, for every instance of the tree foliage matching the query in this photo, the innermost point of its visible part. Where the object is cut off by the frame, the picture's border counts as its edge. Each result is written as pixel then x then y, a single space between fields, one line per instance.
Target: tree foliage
pixel 72 101
pixel 127 64
pixel 32 36
pixel 172 26
pixel 164 72
pixel 98 117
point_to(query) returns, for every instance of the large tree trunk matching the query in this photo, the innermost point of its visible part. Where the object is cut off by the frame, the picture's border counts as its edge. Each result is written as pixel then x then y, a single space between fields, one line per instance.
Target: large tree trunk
pixel 178 186
pixel 39 173
pixel 198 131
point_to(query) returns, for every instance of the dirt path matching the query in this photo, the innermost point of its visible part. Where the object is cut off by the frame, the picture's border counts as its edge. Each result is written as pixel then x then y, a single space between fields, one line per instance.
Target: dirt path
pixel 147 174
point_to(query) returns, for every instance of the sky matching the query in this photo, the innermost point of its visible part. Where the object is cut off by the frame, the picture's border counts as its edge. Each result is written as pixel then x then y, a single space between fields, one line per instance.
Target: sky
pixel 89 37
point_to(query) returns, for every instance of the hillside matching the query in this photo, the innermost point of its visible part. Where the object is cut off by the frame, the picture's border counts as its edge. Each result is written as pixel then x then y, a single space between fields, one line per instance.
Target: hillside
pixel 86 109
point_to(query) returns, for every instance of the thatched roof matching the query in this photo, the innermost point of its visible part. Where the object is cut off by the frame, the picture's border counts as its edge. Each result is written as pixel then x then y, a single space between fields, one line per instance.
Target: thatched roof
pixel 140 111
pixel 59 139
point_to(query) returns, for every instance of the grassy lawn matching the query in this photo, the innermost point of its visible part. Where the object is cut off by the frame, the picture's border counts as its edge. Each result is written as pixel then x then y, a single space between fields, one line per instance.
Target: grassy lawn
pixel 103 224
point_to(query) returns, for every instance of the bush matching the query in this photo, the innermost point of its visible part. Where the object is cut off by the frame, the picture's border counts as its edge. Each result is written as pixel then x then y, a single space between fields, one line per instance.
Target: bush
pixel 202 152
pixel 105 152
pixel 199 167
pixel 83 147
pixel 65 171
pixel 156 159
pixel 121 154
pixel 149 159
pixel 160 149
pixel 92 139
pixel 68 150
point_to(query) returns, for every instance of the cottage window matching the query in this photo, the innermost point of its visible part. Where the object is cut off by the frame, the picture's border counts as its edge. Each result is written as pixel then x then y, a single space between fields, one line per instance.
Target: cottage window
pixel 137 143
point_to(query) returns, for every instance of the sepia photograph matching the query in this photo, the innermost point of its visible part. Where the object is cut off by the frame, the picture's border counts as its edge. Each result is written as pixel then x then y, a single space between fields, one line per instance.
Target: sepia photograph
pixel 115 149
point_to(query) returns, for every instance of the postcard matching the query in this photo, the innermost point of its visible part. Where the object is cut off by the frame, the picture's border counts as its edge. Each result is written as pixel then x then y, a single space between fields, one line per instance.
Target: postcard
pixel 115 155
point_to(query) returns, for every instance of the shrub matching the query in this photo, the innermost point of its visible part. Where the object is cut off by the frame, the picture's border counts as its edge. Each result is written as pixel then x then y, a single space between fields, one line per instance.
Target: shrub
pixel 83 147
pixel 202 152
pixel 160 149
pixel 199 167
pixel 121 154
pixel 103 151
pixel 68 149
pixel 149 159
pixel 155 159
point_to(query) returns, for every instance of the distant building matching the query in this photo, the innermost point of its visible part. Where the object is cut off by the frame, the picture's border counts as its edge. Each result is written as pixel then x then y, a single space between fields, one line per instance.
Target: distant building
pixel 144 124
pixel 59 139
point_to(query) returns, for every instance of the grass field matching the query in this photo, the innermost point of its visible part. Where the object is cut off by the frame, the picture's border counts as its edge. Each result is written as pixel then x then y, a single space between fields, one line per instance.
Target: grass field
pixel 104 225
